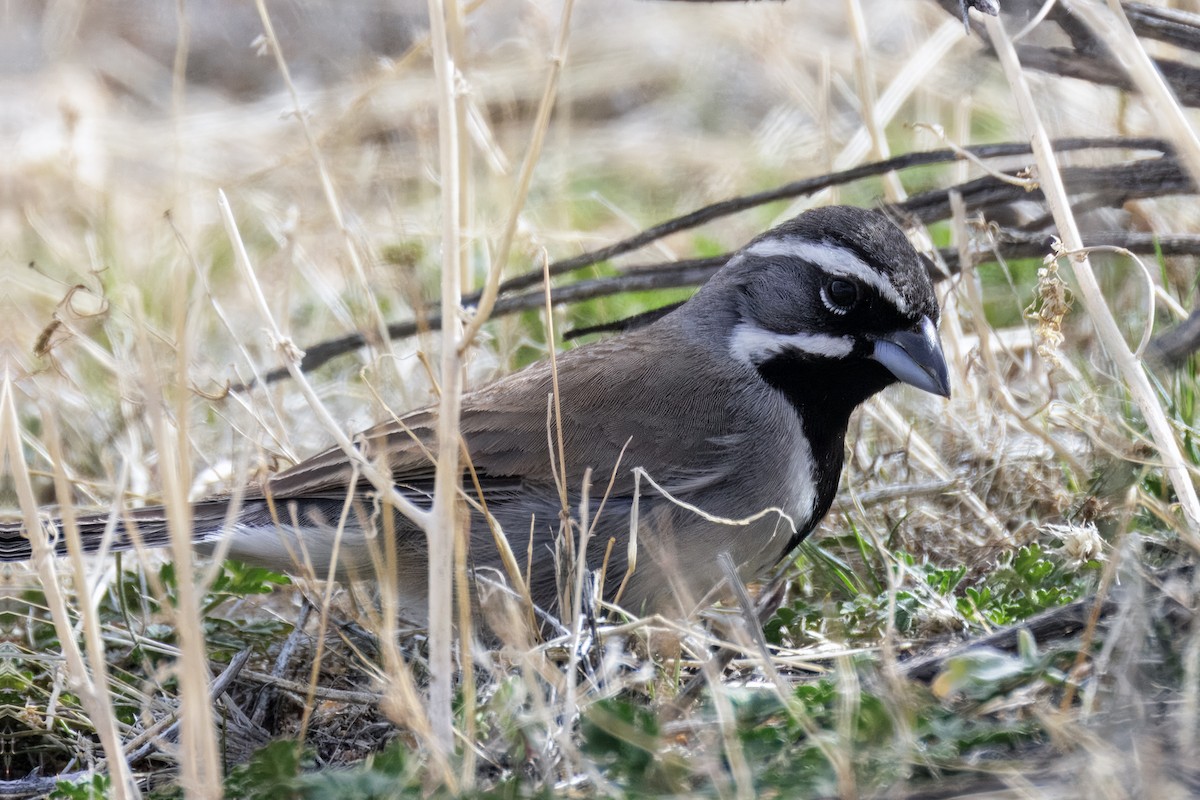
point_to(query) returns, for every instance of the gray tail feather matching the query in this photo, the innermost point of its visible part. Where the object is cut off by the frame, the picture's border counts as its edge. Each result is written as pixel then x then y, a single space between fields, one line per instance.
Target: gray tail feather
pixel 122 530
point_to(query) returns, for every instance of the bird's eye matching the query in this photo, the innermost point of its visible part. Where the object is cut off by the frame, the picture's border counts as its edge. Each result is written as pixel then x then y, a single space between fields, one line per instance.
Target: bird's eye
pixel 839 296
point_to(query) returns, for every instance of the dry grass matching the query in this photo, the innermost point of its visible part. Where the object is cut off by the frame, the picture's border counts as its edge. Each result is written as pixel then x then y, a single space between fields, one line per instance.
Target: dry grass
pixel 141 299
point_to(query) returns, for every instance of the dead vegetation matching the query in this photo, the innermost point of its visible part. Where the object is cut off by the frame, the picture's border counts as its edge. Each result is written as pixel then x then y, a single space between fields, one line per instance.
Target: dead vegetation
pixel 138 368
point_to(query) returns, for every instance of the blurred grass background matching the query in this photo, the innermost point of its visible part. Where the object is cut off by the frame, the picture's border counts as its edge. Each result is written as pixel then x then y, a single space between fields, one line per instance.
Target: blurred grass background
pixel 122 122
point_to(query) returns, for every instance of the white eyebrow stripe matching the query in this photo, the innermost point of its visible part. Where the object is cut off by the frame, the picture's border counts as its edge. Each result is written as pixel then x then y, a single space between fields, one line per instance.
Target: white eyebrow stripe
pixel 831 259
pixel 753 345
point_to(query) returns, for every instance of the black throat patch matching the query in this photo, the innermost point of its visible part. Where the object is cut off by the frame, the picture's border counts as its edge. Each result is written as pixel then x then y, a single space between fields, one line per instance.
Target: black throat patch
pixel 824 396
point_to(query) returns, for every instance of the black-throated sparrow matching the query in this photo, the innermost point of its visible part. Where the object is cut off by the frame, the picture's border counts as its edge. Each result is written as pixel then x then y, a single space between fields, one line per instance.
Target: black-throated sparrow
pixel 733 408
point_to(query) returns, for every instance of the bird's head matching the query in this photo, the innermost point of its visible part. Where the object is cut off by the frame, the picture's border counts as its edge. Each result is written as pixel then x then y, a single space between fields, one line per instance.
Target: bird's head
pixel 837 293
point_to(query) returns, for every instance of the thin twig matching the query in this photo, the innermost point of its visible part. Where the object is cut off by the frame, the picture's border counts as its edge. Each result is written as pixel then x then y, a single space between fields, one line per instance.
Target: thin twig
pixel 1093 298
pixel 92 696
pixel 441 530
pixel 491 289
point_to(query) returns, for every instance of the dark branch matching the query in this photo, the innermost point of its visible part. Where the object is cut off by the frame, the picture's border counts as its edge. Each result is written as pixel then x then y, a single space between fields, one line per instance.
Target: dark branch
pixel 808 186
pixel 1173 348
pixel 1105 186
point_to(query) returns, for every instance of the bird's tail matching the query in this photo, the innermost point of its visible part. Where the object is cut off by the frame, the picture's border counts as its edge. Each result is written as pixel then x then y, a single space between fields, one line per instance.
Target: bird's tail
pixel 111 531
pixel 284 537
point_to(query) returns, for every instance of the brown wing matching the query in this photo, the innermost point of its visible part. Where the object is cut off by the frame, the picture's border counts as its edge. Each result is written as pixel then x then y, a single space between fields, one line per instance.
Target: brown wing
pixel 614 411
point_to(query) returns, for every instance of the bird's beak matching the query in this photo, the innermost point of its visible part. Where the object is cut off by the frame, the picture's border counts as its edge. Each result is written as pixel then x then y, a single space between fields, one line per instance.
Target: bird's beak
pixel 915 357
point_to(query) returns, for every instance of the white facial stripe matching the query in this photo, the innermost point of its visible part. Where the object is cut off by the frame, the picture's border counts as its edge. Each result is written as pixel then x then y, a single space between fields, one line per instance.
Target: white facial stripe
pixel 753 345
pixel 832 260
